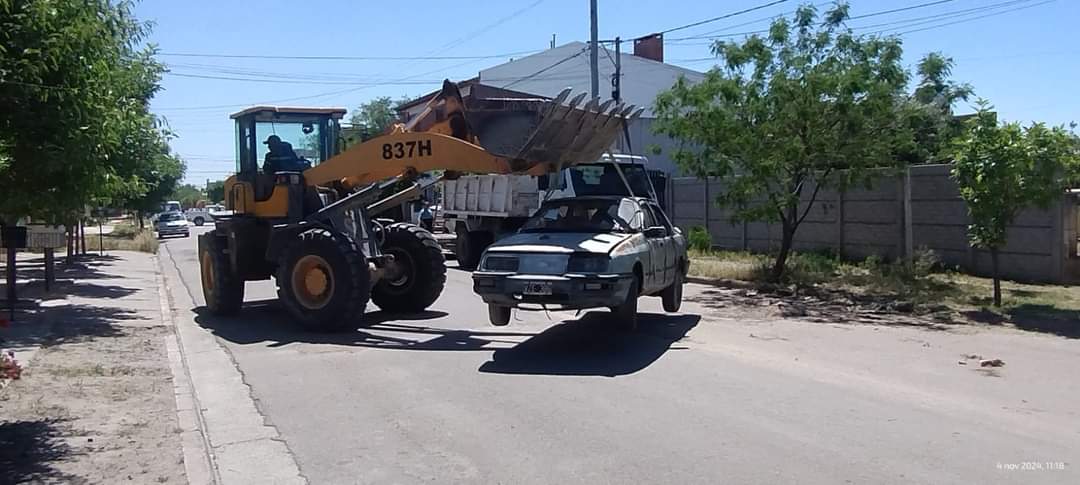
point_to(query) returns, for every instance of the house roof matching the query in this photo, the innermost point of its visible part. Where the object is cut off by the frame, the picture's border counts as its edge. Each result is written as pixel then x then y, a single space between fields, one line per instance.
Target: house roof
pixel 567 66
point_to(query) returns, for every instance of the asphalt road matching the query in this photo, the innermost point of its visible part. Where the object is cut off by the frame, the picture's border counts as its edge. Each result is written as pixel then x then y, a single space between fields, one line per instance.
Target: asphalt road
pixel 706 396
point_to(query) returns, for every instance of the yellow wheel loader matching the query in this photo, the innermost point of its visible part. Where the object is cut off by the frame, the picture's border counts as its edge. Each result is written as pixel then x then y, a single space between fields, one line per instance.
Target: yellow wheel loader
pixel 303 215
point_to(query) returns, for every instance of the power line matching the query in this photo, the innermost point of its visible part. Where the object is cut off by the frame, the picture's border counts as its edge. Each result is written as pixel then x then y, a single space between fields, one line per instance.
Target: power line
pixel 476 33
pixel 722 17
pixel 553 66
pixel 974 18
pixel 344 58
pixel 902 9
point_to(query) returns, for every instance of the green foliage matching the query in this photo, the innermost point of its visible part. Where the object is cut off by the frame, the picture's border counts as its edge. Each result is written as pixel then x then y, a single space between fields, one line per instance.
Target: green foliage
pixel 699 239
pixel 928 113
pixel 188 195
pixel 74 122
pixel 1003 168
pixel 215 191
pixel 808 106
pixel 375 117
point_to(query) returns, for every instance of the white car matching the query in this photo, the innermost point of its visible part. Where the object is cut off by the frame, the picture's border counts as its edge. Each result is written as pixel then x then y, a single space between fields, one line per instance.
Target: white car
pixel 586 252
pixel 200 216
pixel 171 224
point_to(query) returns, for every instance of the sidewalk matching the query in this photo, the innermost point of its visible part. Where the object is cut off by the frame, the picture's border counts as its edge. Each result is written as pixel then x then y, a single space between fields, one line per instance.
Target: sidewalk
pixel 96 402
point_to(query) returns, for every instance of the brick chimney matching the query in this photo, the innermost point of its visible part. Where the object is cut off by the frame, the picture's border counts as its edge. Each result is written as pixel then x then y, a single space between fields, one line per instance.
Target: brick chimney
pixel 650 47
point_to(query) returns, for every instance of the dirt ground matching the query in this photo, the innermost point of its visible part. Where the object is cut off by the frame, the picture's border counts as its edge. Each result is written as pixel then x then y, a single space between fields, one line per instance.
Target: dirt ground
pixel 96 404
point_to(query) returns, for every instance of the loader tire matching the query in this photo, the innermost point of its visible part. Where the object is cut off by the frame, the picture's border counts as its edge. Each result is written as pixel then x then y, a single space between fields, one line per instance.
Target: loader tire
pixel 324 282
pixel 470 246
pixel 419 270
pixel 223 289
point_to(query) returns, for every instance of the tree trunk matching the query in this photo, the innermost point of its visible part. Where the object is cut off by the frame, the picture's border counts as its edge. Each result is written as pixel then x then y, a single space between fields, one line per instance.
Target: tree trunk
pixel 785 249
pixel 997 279
pixel 70 242
pixel 82 237
pixel 139 215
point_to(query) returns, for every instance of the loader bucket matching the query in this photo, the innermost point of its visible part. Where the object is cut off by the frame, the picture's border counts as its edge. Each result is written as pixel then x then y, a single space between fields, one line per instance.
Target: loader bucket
pixel 534 131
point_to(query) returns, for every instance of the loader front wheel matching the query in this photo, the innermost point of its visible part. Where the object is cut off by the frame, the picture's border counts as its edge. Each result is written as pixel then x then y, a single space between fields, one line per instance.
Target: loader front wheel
pixel 223 289
pixel 324 282
pixel 470 246
pixel 416 277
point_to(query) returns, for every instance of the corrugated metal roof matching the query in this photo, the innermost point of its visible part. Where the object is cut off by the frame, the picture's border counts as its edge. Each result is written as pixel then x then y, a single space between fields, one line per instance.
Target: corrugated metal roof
pixel 567 66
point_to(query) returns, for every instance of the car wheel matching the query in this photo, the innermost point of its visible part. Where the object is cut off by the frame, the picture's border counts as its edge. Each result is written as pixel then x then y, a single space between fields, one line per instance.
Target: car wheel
pixel 199 221
pixel 499 315
pixel 672 295
pixel 625 315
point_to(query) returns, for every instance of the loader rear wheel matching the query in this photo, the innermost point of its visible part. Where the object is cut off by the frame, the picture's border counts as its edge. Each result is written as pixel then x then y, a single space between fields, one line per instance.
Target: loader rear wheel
pixel 418 274
pixel 223 289
pixel 324 282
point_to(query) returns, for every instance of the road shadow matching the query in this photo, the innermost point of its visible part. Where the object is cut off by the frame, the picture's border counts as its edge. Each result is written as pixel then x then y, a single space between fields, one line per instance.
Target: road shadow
pixel 590 346
pixel 268 322
pixel 29 450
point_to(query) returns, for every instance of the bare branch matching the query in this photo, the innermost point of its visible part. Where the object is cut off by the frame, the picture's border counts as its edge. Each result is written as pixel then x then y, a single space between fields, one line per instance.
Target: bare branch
pixel 813 196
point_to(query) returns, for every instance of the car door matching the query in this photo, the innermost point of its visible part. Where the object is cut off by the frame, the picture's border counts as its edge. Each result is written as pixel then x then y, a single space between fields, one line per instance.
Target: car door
pixel 667 248
pixel 654 269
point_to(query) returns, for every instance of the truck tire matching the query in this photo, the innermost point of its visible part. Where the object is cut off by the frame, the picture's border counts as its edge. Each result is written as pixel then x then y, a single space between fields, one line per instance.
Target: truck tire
pixel 324 282
pixel 625 315
pixel 498 315
pixel 470 246
pixel 672 295
pixel 223 289
pixel 421 270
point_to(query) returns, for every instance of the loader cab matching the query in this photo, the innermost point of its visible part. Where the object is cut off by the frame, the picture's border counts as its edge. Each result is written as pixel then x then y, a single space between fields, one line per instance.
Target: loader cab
pixel 311 132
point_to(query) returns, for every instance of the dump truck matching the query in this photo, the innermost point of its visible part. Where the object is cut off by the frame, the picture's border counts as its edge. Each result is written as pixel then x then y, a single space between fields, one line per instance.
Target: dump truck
pixel 305 221
pixel 481 209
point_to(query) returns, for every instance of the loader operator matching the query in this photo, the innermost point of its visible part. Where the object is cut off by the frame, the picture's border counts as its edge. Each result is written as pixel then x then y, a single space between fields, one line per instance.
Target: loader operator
pixel 281 157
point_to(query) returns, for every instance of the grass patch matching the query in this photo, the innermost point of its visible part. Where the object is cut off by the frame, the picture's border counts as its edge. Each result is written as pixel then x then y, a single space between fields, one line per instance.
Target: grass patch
pixel 124 240
pixel 922 285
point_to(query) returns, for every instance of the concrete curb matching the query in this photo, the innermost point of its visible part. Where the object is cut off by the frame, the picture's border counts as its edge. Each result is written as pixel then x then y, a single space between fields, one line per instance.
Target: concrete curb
pixel 239 445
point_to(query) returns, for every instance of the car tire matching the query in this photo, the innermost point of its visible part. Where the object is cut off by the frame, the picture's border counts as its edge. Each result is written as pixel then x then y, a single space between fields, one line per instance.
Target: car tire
pixel 672 295
pixel 337 306
pixel 422 262
pixel 625 315
pixel 199 221
pixel 499 315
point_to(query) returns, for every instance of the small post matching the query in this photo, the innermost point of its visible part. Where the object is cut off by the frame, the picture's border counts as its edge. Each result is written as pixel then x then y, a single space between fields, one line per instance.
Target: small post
pixel 101 238
pixel 11 295
pixel 50 274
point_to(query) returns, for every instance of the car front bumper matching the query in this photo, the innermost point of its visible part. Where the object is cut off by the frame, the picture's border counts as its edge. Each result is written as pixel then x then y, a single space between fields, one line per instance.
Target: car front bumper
pixel 173 231
pixel 568 292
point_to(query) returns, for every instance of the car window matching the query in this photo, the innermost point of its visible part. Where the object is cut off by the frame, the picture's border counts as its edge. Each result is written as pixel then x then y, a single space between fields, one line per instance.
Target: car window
pixel 170 216
pixel 648 219
pixel 577 215
pixel 660 217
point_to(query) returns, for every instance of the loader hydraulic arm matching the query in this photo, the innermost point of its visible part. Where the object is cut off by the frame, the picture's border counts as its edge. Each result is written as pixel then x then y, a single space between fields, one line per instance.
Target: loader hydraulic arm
pixel 400 153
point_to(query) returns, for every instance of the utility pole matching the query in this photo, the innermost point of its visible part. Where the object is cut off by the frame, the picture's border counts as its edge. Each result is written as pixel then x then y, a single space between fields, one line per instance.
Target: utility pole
pixel 616 87
pixel 552 41
pixel 594 52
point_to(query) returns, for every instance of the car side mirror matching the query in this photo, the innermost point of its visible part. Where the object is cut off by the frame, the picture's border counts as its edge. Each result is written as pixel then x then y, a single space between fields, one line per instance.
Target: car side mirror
pixel 656 231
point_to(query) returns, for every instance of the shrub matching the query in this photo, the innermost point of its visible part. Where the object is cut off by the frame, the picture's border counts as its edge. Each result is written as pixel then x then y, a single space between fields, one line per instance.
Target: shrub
pixel 699 239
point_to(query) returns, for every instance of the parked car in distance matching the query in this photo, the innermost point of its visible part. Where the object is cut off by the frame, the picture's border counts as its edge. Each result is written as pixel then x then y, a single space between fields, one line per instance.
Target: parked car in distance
pixel 172 224
pixel 202 215
pixel 586 252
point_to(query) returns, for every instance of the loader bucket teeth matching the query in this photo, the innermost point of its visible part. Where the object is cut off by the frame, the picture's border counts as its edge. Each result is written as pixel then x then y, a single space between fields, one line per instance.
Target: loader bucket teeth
pixel 532 131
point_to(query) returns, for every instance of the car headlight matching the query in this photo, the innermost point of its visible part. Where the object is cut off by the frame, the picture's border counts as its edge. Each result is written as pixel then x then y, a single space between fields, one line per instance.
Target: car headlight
pixel 588 263
pixel 499 263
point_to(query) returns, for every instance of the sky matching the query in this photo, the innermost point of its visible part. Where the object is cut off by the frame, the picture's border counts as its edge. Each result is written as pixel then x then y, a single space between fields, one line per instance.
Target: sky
pixel 1021 55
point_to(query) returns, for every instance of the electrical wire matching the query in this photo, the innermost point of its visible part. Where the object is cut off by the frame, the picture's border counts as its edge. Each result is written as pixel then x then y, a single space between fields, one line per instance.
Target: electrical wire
pixel 345 58
pixel 722 17
pixel 973 18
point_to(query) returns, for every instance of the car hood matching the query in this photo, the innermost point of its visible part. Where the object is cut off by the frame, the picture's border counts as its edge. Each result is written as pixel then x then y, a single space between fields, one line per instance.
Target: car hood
pixel 559 242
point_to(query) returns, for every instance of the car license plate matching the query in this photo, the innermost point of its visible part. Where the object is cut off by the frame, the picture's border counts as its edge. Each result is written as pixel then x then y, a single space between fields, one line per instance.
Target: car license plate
pixel 537 288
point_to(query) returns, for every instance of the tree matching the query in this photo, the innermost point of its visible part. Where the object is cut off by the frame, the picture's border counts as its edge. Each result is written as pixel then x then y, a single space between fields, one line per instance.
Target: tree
pixel 188 195
pixel 73 104
pixel 929 110
pixel 375 117
pixel 810 106
pixel 215 191
pixel 1002 169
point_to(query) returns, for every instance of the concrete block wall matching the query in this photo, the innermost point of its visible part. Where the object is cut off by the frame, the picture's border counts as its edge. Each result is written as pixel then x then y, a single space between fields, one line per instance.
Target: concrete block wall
pixel 894 216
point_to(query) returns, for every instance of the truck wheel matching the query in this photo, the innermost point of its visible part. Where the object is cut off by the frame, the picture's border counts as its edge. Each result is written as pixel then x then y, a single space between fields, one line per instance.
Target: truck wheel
pixel 672 295
pixel 199 221
pixel 418 274
pixel 223 289
pixel 625 315
pixel 324 282
pixel 499 315
pixel 469 246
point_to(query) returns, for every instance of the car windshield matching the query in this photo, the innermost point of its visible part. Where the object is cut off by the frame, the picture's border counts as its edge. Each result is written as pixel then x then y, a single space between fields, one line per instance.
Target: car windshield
pixel 576 215
pixel 603 179
pixel 170 216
